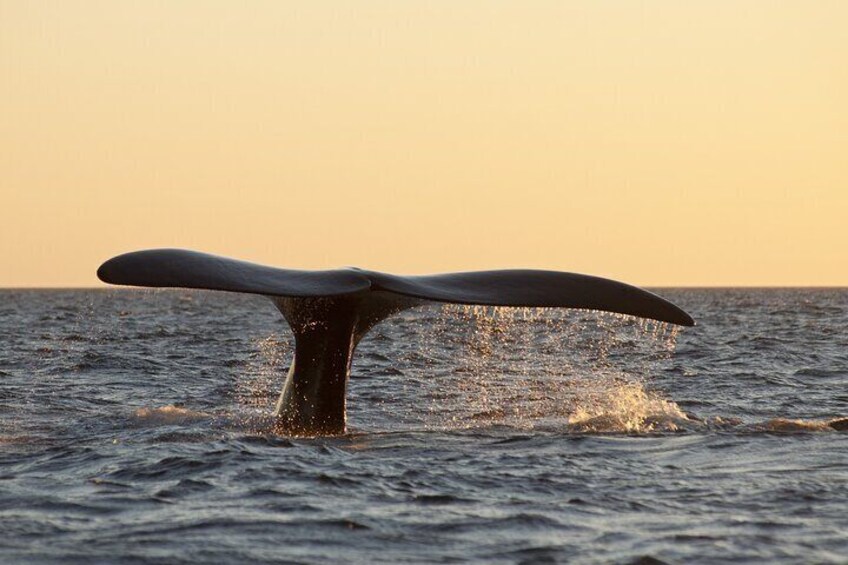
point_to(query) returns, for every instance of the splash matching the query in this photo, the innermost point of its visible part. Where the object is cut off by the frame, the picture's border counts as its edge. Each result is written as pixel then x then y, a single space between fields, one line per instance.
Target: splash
pixel 259 384
pixel 580 370
pixel 458 367
pixel 167 415
pixel 626 407
pixel 256 389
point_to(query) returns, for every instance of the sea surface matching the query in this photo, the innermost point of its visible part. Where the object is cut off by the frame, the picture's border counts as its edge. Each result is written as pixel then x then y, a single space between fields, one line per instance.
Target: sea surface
pixel 135 428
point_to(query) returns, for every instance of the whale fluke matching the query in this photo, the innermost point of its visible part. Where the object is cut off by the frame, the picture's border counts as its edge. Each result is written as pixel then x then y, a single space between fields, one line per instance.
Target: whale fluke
pixel 180 268
pixel 330 311
pixel 531 288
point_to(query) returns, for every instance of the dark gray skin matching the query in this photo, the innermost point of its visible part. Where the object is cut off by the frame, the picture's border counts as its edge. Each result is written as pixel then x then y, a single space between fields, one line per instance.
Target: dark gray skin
pixel 330 311
pixel 326 332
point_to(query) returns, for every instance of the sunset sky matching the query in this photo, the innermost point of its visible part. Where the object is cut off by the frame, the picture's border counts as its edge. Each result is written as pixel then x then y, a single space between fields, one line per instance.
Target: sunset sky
pixel 659 143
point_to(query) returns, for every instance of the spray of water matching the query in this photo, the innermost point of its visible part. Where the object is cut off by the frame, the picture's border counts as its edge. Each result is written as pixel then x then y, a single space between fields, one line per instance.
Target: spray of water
pixel 257 388
pixel 465 366
pixel 454 367
pixel 533 367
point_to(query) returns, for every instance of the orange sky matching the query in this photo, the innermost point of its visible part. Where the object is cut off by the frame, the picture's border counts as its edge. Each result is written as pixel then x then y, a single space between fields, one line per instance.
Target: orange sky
pixel 660 143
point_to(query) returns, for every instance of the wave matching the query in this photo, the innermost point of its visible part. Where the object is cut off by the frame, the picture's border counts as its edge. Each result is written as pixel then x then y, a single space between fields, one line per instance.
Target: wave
pixel 168 415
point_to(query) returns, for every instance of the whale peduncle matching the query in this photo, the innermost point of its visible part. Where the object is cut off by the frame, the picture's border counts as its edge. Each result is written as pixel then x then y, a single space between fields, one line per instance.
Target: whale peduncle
pixel 326 332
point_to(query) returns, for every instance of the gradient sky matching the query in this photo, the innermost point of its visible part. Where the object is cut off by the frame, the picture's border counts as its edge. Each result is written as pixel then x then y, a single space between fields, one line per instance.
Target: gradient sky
pixel 660 143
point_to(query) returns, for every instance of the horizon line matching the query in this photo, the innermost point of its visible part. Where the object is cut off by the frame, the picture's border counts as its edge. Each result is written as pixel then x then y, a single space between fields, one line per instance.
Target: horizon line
pixel 657 286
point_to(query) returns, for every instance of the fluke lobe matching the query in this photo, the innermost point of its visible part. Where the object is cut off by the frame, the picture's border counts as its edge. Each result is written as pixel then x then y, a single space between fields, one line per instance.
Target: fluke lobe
pixel 330 311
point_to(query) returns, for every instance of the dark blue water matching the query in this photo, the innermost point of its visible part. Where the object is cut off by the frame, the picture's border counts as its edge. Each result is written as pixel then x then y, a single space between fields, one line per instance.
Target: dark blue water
pixel 134 428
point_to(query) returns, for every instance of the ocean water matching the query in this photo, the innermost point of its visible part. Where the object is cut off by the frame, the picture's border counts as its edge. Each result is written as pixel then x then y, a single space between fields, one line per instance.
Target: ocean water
pixel 134 427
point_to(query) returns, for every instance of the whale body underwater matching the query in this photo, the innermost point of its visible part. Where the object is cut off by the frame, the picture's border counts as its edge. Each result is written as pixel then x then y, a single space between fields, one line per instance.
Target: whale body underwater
pixel 329 312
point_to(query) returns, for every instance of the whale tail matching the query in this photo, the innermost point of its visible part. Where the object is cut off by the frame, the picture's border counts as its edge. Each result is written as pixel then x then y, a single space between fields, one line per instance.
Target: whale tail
pixel 330 311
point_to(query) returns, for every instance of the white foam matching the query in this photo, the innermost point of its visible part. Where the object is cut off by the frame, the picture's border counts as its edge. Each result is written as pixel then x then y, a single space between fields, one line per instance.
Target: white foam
pixel 166 415
pixel 625 407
